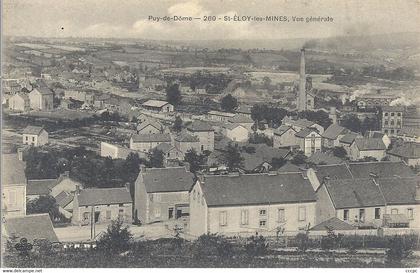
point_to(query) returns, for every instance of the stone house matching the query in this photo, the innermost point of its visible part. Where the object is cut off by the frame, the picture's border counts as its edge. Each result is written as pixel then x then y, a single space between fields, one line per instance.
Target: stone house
pixel 162 194
pixel 102 205
pixel 284 136
pixel 205 134
pixel 41 99
pixel 243 205
pixel 185 142
pixel 367 147
pixel 310 141
pixel 19 102
pixel 35 136
pixel 13 186
pixel 146 142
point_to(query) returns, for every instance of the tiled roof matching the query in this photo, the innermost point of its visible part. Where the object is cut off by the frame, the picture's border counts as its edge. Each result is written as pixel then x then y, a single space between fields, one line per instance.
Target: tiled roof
pixel 387 108
pixel 282 129
pixel 155 103
pixel 373 134
pixel 172 179
pixel 33 130
pixel 64 198
pixel 253 189
pixel 349 138
pixel 12 170
pixel 409 131
pixel 164 147
pixel 241 119
pixel 289 167
pixel 305 132
pixel 31 227
pixel 407 150
pixel 103 196
pixel 151 137
pixel 43 91
pixel 336 171
pixel 185 137
pixel 154 124
pixel 367 144
pixel 41 186
pixel 320 157
pixel 333 223
pixel 333 131
pixel 369 192
pixel 381 169
pixel 198 125
pixel 232 126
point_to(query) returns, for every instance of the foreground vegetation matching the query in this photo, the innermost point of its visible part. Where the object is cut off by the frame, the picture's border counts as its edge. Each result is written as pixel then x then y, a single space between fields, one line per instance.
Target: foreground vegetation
pixel 116 249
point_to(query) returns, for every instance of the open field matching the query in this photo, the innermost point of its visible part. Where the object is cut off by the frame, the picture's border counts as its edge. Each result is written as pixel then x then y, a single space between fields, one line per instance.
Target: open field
pixel 61 114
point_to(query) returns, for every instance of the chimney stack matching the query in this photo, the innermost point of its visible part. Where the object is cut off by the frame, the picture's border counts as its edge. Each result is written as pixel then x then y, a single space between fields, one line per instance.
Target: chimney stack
pixel 301 100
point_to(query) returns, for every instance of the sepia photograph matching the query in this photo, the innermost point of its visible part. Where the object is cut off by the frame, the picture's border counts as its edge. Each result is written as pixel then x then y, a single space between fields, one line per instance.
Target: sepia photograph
pixel 211 134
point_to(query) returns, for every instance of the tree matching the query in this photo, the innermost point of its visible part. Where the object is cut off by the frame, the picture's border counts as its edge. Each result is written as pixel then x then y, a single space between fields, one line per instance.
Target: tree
pixel 256 246
pixel 232 157
pixel 229 103
pixel 173 94
pixel 45 204
pixel 116 239
pixel 132 166
pixel 195 160
pixel 299 158
pixel 156 158
pixel 177 127
pixel 352 123
pixel 320 117
pixel 40 165
pixel 277 162
pixel 339 152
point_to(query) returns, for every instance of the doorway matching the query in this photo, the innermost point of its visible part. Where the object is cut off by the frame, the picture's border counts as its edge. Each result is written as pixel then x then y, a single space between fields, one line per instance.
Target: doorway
pixel 97 216
pixel 170 213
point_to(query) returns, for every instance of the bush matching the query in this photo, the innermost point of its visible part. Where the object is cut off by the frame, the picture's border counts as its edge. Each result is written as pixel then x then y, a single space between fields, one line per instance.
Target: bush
pixel 331 241
pixel 397 251
pixel 209 245
pixel 302 241
pixel 116 239
pixel 256 246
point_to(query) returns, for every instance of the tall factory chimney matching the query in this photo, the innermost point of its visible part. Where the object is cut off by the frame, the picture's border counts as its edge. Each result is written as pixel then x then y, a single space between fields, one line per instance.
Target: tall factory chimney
pixel 301 102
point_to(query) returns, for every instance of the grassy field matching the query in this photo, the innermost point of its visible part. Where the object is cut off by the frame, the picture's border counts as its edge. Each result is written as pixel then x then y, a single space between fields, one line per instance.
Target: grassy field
pixel 61 114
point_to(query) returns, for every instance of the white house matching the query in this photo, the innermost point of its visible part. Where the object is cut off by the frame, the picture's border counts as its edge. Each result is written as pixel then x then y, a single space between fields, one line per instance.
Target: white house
pixel 284 136
pixel 146 142
pixel 205 134
pixel 158 106
pixel 19 102
pixel 310 141
pixel 241 205
pixel 35 135
pixel 367 147
pixel 236 132
pixel 13 186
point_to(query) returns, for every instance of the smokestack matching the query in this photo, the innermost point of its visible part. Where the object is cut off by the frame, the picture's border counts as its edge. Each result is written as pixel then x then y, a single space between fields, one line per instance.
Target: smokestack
pixel 302 83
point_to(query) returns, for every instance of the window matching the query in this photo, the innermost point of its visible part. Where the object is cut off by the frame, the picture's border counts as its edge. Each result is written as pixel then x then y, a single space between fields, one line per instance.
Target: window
pixel 377 213
pixel 86 216
pixel 394 211
pixel 410 214
pixel 386 114
pixel 157 212
pixel 33 138
pixel 392 114
pixel 346 215
pixel 362 215
pixel 120 213
pixel 399 114
pixel 223 218
pixel 27 138
pixel 263 212
pixel 193 194
pixel 244 217
pixel 302 214
pixel 263 223
pixel 121 205
pixel 108 214
pixel 282 216
pixel 386 122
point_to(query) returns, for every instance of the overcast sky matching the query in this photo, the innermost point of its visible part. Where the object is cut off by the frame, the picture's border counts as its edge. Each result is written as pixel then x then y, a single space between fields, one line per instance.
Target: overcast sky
pixel 128 18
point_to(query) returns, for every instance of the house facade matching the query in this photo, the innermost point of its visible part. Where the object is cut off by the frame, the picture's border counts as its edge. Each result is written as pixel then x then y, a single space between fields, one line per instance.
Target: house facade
pixel 391 119
pixel 220 116
pixel 35 136
pixel 243 205
pixel 19 102
pixel 102 205
pixel 158 106
pixel 13 186
pixel 205 134
pixel 162 194
pixel 310 141
pixel 284 136
pixel 146 142
pixel 236 132
pixel 331 137
pixel 367 147
pixel 369 202
pixel 41 99
pixel 185 142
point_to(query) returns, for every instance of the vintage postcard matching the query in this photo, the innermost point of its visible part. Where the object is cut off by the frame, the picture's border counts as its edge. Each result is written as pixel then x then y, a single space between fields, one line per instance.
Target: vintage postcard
pixel 210 134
